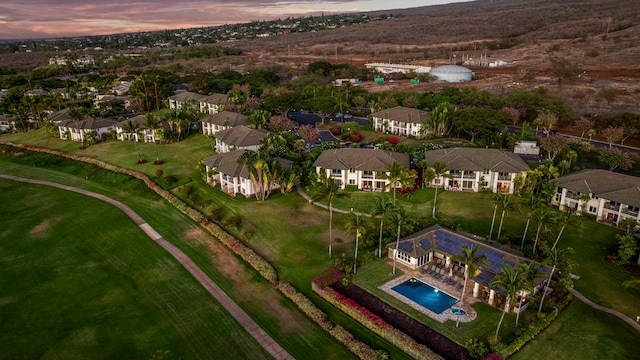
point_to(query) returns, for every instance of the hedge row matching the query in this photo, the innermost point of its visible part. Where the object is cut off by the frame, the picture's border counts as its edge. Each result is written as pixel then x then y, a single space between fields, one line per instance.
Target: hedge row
pixel 373 322
pixel 360 349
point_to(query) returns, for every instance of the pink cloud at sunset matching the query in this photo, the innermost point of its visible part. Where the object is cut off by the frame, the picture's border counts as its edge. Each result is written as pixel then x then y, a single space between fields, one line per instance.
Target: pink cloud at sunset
pixel 58 18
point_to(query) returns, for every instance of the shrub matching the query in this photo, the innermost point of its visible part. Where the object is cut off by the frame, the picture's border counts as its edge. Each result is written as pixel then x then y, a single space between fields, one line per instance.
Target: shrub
pixel 233 221
pixel 394 140
pixel 170 179
pixel 141 161
pixel 477 349
pixel 159 173
pixel 158 162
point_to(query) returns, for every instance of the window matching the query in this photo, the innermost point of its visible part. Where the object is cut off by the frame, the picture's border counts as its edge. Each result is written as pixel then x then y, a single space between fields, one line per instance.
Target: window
pixel 352 182
pixel 404 257
pixel 352 170
pixel 592 209
pixel 485 172
pixel 336 172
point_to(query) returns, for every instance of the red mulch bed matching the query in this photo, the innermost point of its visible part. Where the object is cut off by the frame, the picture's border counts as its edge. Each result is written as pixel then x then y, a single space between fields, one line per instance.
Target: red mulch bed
pixel 632 268
pixel 421 333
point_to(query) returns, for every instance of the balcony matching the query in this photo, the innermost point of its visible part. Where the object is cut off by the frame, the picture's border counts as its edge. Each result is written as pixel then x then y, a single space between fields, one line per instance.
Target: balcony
pixel 610 206
pixel 469 176
pixel 504 177
pixel 630 212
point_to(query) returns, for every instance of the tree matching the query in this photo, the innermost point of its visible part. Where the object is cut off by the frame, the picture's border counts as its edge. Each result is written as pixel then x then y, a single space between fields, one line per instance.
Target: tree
pixel 534 203
pixel 356 226
pixel 397 216
pixel 289 178
pixel 547 120
pixel 566 218
pixel 584 125
pixel 553 145
pixel 327 188
pixel 152 123
pixel 133 128
pixel 381 206
pixel 627 247
pixel 612 134
pixel 440 121
pixel 512 281
pixel 615 159
pixel 78 114
pixel 309 134
pixel 557 258
pixel 512 113
pixel 543 217
pixel 629 223
pixel 496 198
pixel 258 118
pixel 472 261
pixel 263 171
pixel 398 174
pixel 507 204
pixel 279 123
pixel 530 271
pixel 439 171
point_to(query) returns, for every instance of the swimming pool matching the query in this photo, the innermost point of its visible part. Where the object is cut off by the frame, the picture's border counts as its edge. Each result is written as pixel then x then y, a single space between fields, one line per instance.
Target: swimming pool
pixel 425 295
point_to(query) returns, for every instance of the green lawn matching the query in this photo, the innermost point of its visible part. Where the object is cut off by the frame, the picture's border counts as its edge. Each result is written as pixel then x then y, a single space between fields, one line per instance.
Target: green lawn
pixel 73 285
pixel 293 235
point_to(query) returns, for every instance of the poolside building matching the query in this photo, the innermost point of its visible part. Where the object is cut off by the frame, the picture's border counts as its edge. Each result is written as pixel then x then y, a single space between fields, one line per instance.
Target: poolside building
pixel 436 246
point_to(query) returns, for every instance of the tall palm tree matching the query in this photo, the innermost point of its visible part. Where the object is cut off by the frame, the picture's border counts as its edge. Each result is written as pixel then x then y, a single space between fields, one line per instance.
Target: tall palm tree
pixel 511 280
pixel 507 204
pixel 534 203
pixel 472 261
pixel 439 171
pixel 133 128
pixel 258 118
pixel 397 216
pixel 289 179
pixel 557 258
pixel 544 217
pixel 530 272
pixel 381 206
pixel 496 198
pixel 356 226
pixel 566 218
pixel 398 174
pixel 327 188
pixel 152 123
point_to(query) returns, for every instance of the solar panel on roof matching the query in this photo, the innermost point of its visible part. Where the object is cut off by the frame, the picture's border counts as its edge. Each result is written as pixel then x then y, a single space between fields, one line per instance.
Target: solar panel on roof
pixel 425 244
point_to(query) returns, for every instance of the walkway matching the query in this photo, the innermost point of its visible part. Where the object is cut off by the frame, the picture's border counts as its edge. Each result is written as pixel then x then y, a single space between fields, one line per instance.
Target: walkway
pixel 252 328
pixel 622 316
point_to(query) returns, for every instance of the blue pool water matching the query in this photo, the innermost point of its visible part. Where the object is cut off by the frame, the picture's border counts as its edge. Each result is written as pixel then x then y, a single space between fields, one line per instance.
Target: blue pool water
pixel 425 295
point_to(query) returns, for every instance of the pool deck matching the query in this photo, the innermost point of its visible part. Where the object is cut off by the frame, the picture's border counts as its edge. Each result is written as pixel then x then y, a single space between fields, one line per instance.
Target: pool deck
pixel 440 285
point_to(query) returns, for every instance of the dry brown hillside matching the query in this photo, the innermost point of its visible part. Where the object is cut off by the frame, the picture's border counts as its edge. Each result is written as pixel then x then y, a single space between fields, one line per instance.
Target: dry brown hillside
pixel 586 51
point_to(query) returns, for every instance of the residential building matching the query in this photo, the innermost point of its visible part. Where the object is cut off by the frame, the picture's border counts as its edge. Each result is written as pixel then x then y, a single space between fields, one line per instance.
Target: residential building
pixel 213 103
pixel 364 168
pixel 607 195
pixel 222 121
pixel 144 134
pixel 401 121
pixel 35 92
pixel 239 137
pixel 473 169
pixel 7 123
pixel 177 101
pixel 388 68
pixel 234 178
pixel 79 130
pixel 526 148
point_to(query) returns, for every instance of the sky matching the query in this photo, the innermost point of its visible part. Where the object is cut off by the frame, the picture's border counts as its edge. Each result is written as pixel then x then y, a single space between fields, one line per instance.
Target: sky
pixel 30 19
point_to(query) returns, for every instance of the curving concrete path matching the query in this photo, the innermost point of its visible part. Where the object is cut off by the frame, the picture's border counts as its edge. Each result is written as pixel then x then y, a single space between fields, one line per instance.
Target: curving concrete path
pixel 252 328
pixel 622 316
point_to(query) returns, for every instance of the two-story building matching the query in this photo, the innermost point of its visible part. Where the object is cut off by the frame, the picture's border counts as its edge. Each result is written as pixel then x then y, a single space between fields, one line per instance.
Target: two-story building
pixel 223 120
pixel 145 133
pixel 214 103
pixel 401 121
pixel 609 196
pixel 233 177
pixel 239 137
pixel 364 168
pixel 79 130
pixel 181 99
pixel 473 169
pixel 7 123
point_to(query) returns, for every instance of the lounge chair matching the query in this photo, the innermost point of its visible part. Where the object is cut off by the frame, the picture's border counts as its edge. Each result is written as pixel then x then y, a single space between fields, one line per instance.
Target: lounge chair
pixel 460 286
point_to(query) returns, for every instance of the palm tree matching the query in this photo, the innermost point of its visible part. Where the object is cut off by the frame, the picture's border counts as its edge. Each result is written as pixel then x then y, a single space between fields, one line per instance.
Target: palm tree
pixel 290 178
pixel 152 123
pixel 566 218
pixel 258 118
pixel 133 128
pixel 496 199
pixel 511 280
pixel 543 217
pixel 396 173
pixel 534 203
pixel 472 261
pixel 629 223
pixel 381 206
pixel 397 216
pixel 439 170
pixel 78 114
pixel 507 204
pixel 354 225
pixel 327 188
pixel 558 259
pixel 530 272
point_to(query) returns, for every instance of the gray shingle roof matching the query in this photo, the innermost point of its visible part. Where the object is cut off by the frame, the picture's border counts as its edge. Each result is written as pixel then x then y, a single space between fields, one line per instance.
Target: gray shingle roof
pixel 91 123
pixel 186 96
pixel 215 99
pixel 227 163
pixel 605 184
pixel 403 114
pixel 141 121
pixel 226 118
pixel 473 159
pixel 241 136
pixel 360 159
